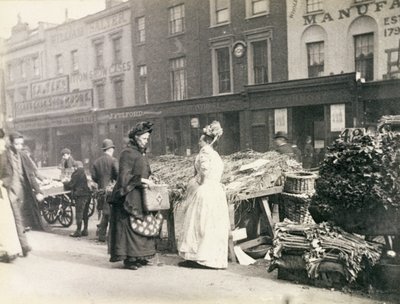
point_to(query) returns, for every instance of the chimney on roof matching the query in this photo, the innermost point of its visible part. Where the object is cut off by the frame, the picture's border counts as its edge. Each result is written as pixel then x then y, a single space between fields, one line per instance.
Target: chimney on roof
pixel 111 3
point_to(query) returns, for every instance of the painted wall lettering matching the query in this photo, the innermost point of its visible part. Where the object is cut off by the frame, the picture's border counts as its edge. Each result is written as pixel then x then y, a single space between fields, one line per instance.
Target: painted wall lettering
pixel 49 87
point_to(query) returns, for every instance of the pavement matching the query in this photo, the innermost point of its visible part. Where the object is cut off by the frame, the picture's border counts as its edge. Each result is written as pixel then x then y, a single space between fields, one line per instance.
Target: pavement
pixel 61 269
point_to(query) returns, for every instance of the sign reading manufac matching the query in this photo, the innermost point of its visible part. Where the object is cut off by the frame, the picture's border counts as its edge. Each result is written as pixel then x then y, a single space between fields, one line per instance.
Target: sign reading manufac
pixel 53 104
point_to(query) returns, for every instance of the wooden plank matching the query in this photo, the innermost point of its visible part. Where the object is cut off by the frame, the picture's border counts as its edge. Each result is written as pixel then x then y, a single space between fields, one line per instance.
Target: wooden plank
pixel 261 193
pixel 267 212
pixel 239 234
pixel 253 243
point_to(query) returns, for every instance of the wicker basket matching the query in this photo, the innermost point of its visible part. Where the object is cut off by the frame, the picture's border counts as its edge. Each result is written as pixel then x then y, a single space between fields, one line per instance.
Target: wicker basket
pixel 295 208
pixel 300 182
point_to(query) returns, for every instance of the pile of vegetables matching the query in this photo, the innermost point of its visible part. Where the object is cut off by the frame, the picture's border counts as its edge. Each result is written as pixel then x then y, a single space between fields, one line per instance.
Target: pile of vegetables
pixel 359 180
pixel 244 172
pixel 321 243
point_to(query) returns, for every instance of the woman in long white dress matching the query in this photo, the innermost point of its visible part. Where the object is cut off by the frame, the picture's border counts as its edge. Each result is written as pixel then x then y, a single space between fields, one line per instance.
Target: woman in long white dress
pixel 206 225
pixel 10 246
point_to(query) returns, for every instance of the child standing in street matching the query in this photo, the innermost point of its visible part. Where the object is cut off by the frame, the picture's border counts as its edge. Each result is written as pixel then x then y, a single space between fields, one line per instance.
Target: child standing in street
pixel 81 194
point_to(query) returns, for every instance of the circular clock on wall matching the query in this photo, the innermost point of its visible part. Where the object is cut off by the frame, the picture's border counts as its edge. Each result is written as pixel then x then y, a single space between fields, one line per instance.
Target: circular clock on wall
pixel 239 49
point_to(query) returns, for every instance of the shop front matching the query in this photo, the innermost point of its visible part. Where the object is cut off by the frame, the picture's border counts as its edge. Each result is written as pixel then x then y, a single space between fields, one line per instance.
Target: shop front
pixel 318 107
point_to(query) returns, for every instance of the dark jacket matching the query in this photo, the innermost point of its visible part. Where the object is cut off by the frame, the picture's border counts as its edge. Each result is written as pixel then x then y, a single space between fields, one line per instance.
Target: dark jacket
pixel 133 166
pixel 31 187
pixel 286 149
pixel 105 170
pixel 78 183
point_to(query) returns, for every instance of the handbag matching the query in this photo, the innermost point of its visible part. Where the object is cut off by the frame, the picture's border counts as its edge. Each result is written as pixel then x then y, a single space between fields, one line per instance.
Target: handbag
pixel 156 198
pixel 149 226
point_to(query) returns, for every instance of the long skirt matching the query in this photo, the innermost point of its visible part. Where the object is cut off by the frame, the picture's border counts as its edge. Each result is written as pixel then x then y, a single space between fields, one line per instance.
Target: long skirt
pixel 9 243
pixel 124 243
pixel 206 226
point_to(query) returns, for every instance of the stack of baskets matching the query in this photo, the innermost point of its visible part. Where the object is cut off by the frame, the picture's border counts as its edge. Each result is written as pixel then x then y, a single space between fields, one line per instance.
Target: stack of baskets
pixel 298 190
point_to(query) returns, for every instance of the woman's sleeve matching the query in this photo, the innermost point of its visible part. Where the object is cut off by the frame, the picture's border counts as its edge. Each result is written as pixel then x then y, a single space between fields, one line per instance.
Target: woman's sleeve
pixel 129 179
pixel 205 164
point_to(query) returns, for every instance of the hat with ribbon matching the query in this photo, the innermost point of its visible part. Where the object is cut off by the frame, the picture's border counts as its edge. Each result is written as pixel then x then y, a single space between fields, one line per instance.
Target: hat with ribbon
pixel 141 128
pixel 107 144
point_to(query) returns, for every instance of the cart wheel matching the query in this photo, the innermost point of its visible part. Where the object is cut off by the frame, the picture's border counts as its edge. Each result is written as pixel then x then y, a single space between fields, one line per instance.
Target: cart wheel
pixel 50 209
pixel 92 206
pixel 66 216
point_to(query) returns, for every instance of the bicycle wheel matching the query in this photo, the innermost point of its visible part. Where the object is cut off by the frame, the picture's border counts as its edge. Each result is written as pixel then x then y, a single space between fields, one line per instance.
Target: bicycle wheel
pixel 92 206
pixel 50 209
pixel 66 216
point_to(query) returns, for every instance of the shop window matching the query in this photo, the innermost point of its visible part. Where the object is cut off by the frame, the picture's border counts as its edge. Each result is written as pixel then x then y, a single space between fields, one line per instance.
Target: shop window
pixel 99 58
pixel 178 78
pixel 117 50
pixel 141 29
pixel 177 19
pixel 220 11
pixel 364 55
pixel 223 70
pixel 313 5
pixel 118 93
pixel 143 86
pixel 315 59
pixel 260 61
pixel 100 95
pixel 74 61
pixel 59 64
pixel 174 136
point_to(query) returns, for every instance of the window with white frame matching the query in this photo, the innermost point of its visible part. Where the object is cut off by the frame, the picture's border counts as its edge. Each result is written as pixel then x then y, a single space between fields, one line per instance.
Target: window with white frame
pixel 313 5
pixel 260 61
pixel 143 86
pixel 74 61
pixel 220 11
pixel 100 95
pixel 223 61
pixel 177 19
pixel 141 29
pixel 10 74
pixel 178 78
pixel 35 65
pixel 364 55
pixel 257 7
pixel 117 49
pixel 315 59
pixel 59 64
pixel 98 51
pixel 118 92
pixel 23 69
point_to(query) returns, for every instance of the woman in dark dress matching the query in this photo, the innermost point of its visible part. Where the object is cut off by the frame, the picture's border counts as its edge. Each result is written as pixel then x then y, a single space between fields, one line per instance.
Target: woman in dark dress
pixel 126 243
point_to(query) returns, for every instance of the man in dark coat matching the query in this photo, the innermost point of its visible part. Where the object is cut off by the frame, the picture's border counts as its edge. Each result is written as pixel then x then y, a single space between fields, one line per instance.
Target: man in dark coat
pixel 282 145
pixel 23 190
pixel 104 174
pixel 82 195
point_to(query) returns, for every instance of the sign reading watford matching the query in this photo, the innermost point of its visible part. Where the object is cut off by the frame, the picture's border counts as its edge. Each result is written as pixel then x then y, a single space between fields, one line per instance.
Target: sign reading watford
pixel 55 104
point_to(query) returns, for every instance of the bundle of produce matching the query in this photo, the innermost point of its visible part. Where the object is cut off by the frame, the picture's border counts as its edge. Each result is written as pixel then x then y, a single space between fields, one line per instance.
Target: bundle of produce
pixel 244 172
pixel 249 171
pixel 321 243
pixel 49 186
pixel 359 184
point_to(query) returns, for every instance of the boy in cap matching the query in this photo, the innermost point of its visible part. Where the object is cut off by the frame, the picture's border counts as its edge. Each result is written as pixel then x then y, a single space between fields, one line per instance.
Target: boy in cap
pixel 104 174
pixel 82 195
pixel 66 164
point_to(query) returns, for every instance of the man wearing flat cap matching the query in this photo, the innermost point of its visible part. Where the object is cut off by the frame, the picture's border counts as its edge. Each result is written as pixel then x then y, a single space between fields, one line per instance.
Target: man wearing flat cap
pixel 104 174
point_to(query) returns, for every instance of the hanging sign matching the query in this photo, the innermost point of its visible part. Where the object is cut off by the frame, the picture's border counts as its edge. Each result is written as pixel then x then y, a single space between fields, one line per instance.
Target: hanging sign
pixel 337 117
pixel 280 118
